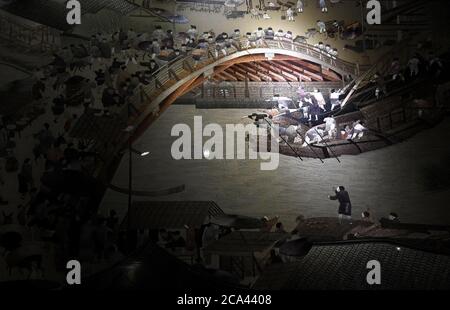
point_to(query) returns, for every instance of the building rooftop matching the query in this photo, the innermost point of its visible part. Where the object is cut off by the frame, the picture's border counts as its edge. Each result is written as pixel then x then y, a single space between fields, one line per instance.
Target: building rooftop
pixel 53 13
pixel 245 243
pixel 171 214
pixel 343 266
pixel 151 267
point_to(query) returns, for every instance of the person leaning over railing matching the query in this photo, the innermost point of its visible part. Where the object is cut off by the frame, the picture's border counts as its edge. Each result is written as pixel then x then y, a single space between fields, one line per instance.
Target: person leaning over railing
pixel 269 34
pixel 279 35
pixel 259 36
pixel 236 39
pixel 289 38
pixel 200 52
pixel 251 40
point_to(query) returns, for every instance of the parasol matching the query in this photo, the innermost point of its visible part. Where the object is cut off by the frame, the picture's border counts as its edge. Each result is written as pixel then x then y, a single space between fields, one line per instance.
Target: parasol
pixel 178 19
pixel 145 45
pixel 161 12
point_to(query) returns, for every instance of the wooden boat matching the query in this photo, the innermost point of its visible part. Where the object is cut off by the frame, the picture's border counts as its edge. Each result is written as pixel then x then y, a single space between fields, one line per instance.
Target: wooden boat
pixel 388 121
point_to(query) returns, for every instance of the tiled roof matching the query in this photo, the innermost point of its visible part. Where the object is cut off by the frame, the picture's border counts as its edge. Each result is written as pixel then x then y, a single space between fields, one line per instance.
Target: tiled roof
pixel 53 12
pixel 153 268
pixel 121 6
pixel 102 130
pixel 244 242
pixel 171 214
pixel 343 266
pixel 45 12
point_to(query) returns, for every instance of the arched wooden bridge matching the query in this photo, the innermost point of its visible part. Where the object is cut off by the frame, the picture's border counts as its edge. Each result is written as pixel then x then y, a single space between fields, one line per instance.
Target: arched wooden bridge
pixel 181 75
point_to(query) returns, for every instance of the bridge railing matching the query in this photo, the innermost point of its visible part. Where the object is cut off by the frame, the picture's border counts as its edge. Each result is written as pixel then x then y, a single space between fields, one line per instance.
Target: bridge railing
pixel 401 50
pixel 261 90
pixel 310 50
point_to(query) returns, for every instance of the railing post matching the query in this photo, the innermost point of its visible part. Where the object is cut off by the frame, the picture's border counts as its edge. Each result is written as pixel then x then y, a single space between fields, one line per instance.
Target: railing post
pixel 247 92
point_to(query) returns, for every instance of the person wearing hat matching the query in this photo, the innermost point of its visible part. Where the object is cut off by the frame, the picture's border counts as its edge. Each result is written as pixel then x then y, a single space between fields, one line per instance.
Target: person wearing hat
pixel 236 39
pixel 192 32
pixel 345 205
pixel 334 99
pixel 158 33
pixel 259 36
pixel 251 39
pixel 270 34
pixel 279 35
pixel 205 35
pixel 288 37
pixel 322 27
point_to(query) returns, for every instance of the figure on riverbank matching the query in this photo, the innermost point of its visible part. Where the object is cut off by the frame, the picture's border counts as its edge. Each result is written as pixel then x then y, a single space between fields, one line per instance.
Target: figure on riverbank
pixel 345 206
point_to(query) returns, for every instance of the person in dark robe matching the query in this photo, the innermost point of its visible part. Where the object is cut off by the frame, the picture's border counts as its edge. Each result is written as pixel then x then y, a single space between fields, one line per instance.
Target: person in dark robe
pixel 345 205
pixel 23 184
pixel 100 77
pixel 153 67
pixel 38 89
pixel 107 97
pixel 105 49
pixel 314 110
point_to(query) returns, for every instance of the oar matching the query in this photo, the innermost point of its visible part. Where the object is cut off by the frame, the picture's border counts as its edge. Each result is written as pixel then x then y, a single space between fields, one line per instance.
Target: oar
pixel 327 145
pixel 312 149
pixel 290 146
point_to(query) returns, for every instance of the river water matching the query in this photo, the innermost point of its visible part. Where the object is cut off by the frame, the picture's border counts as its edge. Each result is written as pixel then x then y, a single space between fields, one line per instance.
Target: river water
pixel 411 178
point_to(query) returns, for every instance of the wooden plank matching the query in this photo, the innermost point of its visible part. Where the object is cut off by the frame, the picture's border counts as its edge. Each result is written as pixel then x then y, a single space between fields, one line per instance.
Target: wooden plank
pixel 297 71
pixel 330 74
pixel 261 72
pixel 251 72
pixel 307 65
pixel 229 77
pixel 238 75
pixel 286 72
pixel 276 76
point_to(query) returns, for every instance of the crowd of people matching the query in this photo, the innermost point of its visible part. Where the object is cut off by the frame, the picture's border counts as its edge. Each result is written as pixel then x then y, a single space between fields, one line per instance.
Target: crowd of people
pixel 317 109
pixel 297 7
pixel 58 194
pixel 417 67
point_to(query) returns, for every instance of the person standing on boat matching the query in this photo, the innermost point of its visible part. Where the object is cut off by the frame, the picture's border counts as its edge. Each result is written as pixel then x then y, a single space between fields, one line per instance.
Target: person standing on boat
pixel 345 205
pixel 334 99
pixel 320 99
pixel 330 127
